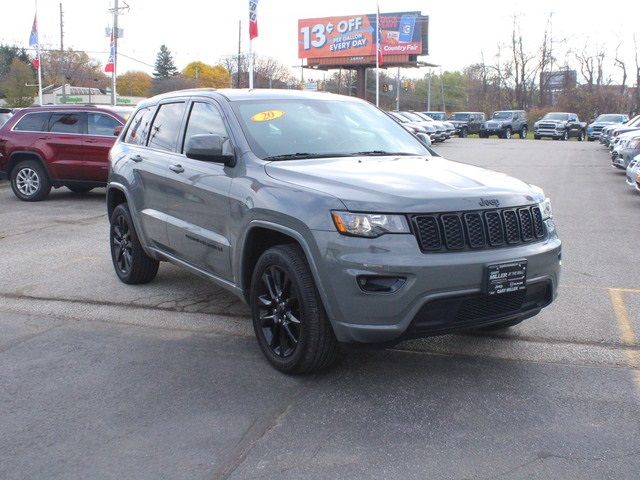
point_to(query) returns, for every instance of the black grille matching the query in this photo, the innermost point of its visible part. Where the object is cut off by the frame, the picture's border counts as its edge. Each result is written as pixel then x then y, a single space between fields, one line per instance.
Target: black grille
pixel 526 224
pixel 452 229
pixel 458 313
pixel 547 126
pixel 511 226
pixel 538 227
pixel 428 232
pixel 477 230
pixel 494 228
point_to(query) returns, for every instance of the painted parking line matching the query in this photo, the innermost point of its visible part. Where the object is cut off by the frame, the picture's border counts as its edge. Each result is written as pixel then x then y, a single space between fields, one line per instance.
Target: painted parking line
pixel 627 333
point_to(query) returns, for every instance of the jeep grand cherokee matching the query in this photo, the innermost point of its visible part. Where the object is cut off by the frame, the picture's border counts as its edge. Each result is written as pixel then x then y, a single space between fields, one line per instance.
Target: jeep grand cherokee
pixel 332 221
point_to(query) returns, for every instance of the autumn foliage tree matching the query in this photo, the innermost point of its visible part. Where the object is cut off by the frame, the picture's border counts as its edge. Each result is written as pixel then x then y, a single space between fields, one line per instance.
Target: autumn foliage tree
pixel 15 84
pixel 134 84
pixel 212 76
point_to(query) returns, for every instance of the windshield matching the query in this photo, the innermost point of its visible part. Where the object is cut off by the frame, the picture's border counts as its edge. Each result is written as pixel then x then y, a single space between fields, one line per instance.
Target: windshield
pixel 436 115
pixel 610 118
pixel 305 128
pixel 556 116
pixel 460 116
pixel 502 115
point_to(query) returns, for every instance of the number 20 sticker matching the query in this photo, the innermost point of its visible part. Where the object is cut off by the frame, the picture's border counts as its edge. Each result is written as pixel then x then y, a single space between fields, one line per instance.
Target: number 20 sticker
pixel 267 116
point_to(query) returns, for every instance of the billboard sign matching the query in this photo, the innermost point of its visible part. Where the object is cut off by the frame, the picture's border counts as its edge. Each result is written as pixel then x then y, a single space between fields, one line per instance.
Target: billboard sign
pixel 349 36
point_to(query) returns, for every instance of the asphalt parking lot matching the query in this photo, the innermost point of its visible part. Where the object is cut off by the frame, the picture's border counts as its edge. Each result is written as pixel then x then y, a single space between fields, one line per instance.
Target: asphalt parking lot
pixel 101 380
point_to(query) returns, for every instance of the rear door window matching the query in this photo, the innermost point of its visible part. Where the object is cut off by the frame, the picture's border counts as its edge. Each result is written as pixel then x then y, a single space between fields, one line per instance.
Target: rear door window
pixel 33 122
pixel 66 123
pixel 101 124
pixel 139 128
pixel 166 127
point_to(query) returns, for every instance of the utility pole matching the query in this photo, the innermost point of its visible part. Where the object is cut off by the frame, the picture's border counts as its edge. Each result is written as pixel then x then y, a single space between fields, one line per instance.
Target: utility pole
pixel 398 90
pixel 64 83
pixel 429 91
pixel 239 52
pixel 442 89
pixel 114 98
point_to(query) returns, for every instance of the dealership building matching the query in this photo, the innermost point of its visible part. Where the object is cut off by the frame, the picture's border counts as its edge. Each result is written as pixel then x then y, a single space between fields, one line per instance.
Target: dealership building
pixel 70 95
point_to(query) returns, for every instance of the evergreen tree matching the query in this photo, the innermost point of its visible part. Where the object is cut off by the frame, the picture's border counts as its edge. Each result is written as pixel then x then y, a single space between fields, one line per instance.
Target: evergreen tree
pixel 164 67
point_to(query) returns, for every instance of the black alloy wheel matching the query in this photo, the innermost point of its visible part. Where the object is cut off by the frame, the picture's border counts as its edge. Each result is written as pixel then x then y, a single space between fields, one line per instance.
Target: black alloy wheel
pixel 289 319
pixel 121 244
pixel 131 263
pixel 279 312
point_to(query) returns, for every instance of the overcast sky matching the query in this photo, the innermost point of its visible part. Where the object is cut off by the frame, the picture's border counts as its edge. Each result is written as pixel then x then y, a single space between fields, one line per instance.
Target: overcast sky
pixel 207 29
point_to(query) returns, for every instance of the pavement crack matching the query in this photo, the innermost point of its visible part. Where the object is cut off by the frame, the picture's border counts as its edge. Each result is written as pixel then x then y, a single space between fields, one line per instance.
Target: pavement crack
pixel 258 430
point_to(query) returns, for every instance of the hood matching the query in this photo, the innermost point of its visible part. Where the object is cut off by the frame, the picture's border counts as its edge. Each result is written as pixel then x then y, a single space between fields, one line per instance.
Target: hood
pixel 603 124
pixel 406 184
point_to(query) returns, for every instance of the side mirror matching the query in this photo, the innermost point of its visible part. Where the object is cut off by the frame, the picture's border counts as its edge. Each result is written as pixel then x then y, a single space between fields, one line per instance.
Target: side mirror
pixel 209 148
pixel 118 130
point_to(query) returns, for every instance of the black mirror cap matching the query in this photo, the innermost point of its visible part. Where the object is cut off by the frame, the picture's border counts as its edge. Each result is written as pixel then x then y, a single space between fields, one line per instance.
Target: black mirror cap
pixel 209 148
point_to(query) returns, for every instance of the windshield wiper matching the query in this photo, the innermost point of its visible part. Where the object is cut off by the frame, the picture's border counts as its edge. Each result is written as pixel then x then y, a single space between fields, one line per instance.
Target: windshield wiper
pixel 302 155
pixel 383 153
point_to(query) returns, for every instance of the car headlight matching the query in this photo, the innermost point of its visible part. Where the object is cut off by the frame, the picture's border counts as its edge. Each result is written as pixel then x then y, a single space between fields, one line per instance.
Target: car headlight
pixel 369 225
pixel 545 209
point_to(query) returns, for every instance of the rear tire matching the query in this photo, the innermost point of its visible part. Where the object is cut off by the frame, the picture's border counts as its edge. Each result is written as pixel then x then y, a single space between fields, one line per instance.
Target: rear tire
pixel 581 137
pixel 79 190
pixel 29 181
pixel 289 320
pixel 132 265
pixel 524 132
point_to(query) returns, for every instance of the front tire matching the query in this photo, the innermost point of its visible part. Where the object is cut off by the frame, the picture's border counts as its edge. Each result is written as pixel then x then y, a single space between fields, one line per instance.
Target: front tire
pixel 565 136
pixel 507 134
pixel 537 137
pixel 581 137
pixel 30 182
pixel 132 265
pixel 289 320
pixel 463 133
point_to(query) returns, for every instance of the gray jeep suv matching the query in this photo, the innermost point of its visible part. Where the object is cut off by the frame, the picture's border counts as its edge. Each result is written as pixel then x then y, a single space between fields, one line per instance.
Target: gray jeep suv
pixel 328 218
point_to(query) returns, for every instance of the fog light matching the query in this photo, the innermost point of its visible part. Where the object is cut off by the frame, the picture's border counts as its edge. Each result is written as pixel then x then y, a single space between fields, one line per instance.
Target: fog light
pixel 380 284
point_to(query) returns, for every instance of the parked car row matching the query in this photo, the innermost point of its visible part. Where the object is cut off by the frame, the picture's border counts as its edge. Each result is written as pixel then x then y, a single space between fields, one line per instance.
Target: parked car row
pixel 623 142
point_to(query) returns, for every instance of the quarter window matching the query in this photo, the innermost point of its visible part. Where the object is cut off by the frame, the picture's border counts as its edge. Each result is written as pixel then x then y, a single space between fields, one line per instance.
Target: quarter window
pixel 139 128
pixel 65 123
pixel 204 119
pixel 33 122
pixel 100 124
pixel 166 127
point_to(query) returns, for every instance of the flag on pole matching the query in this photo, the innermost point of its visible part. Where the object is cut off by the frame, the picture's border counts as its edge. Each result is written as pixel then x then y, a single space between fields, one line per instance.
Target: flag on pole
pixel 378 38
pixel 33 42
pixel 110 66
pixel 253 19
pixel 33 38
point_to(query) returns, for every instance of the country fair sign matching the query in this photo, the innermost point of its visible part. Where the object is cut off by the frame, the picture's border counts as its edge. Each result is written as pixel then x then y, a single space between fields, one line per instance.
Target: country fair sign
pixel 400 33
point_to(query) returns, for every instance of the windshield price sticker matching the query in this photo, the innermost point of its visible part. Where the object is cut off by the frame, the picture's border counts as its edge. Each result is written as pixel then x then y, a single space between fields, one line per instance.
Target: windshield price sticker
pixel 267 116
pixel 506 277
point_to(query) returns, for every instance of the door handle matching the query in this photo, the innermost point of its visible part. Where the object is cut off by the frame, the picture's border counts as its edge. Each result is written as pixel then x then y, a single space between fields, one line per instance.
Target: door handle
pixel 176 168
pixel 136 158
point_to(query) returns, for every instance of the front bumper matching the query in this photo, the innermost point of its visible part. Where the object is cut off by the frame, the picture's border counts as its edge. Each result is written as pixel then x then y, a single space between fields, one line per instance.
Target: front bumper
pixel 365 317
pixel 547 132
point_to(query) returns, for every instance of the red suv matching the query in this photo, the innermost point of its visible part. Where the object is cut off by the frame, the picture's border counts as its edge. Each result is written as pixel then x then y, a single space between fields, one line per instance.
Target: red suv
pixel 44 147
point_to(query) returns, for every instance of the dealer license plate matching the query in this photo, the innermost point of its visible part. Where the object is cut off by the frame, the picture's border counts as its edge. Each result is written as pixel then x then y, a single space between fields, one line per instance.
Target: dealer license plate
pixel 506 277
